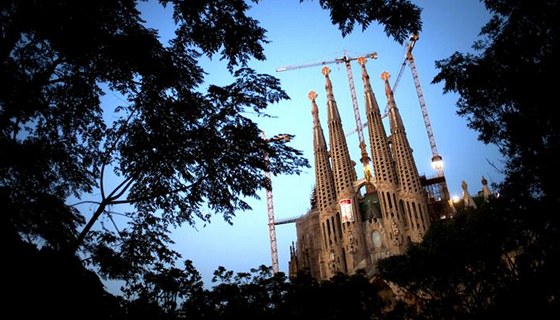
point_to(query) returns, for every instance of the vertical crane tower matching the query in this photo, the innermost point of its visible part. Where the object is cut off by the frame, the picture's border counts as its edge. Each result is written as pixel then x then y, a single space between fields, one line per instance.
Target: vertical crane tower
pixel 272 228
pixel 437 161
pixel 436 186
pixel 270 210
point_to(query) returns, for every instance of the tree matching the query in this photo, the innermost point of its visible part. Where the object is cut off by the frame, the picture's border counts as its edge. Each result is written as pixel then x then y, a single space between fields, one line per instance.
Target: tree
pixel 176 147
pixel 459 268
pixel 505 94
pixel 497 261
pixel 44 283
pixel 260 294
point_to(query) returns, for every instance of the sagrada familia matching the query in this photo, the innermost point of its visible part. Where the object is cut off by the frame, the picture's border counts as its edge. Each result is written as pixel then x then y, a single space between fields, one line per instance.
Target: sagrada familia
pixel 352 223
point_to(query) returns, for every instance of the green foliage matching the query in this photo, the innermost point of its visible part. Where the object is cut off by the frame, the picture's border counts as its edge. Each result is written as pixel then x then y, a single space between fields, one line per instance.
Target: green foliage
pixel 497 261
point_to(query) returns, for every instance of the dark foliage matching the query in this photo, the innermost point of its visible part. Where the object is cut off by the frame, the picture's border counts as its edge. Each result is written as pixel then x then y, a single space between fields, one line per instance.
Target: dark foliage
pixel 181 151
pixel 261 295
pixel 506 96
pixel 483 263
pixel 497 261
pixel 174 149
pixel 400 18
pixel 43 284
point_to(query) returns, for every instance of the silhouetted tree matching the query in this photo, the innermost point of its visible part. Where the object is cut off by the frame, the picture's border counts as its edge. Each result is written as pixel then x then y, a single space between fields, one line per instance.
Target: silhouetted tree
pixel 262 295
pixel 460 266
pixel 42 284
pixel 505 97
pixel 399 18
pixel 59 58
pixel 177 146
pixel 498 261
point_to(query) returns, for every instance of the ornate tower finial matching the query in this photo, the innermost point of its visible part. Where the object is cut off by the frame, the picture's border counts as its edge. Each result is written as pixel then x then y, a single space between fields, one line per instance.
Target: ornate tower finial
pixel 388 92
pixel 385 75
pixel 467 199
pixel 362 61
pixel 312 95
pixel 485 189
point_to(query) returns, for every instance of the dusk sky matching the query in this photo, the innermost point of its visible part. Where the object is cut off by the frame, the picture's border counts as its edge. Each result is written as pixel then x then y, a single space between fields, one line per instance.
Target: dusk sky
pixel 300 34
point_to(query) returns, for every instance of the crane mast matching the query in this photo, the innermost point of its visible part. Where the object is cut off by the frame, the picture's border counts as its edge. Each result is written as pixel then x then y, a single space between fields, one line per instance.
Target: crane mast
pixel 271 224
pixel 385 112
pixel 354 100
pixel 437 162
pixel 272 228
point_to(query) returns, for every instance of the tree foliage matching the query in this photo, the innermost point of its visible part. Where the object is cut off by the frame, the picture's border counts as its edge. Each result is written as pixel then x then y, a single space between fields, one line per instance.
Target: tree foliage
pixel 399 18
pixel 484 263
pixel 181 150
pixel 505 94
pixel 260 294
pixel 458 269
pixel 498 261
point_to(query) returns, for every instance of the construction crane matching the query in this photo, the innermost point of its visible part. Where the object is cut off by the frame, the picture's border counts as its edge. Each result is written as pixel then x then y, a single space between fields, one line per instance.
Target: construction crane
pixel 271 228
pixel 270 210
pixel 270 206
pixel 346 60
pixel 437 161
pixel 287 220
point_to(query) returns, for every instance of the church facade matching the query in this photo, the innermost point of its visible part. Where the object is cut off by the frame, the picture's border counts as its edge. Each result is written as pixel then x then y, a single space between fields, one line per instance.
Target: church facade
pixel 353 222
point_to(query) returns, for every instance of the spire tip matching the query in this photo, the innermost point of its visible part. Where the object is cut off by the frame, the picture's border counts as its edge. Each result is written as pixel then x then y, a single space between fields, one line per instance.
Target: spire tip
pixel 312 95
pixel 385 75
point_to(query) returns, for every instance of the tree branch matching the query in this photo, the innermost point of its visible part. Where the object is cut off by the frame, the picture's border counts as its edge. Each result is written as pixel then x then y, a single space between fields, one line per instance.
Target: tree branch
pixel 125 184
pixel 89 225
pixel 153 196
pixel 109 152
pixel 83 202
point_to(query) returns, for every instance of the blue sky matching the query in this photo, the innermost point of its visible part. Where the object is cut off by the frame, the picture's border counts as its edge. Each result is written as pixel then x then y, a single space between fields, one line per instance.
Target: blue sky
pixel 302 34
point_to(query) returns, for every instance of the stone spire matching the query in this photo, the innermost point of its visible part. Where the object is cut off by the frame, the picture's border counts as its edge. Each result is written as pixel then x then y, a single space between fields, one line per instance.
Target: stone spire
pixel 385 175
pixel 343 168
pixel 383 165
pixel 332 253
pixel 347 211
pixel 412 200
pixel 324 182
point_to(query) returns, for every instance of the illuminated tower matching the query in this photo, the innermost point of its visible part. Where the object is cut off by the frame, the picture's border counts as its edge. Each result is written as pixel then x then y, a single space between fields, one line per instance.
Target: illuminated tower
pixel 344 175
pixel 384 169
pixel 412 199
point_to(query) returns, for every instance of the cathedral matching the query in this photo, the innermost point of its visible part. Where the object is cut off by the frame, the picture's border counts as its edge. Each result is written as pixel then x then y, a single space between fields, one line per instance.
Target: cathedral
pixel 353 222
